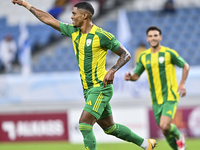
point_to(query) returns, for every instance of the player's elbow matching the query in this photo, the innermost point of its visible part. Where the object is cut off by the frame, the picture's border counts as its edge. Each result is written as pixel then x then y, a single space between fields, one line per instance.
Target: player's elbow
pixel 187 66
pixel 128 56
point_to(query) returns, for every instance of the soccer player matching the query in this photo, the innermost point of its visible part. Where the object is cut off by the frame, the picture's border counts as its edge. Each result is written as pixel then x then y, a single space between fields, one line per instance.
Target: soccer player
pixel 159 63
pixel 91 44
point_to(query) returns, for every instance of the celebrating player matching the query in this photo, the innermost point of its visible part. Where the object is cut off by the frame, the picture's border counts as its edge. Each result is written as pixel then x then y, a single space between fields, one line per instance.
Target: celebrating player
pixel 159 63
pixel 91 44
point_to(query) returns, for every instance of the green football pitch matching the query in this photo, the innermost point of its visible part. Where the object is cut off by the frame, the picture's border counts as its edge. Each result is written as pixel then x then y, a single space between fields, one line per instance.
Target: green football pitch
pixel 192 144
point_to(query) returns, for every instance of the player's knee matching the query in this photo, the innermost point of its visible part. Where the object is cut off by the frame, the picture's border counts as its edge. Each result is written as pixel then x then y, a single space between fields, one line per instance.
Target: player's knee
pixel 82 120
pixel 87 118
pixel 85 128
pixel 110 130
pixel 165 127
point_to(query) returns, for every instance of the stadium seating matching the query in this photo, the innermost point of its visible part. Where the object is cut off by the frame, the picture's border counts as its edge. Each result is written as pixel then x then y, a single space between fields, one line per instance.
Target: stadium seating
pixel 180 32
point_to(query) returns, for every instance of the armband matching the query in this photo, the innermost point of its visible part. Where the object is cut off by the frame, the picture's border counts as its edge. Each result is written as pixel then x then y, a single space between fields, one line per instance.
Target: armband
pixel 26 4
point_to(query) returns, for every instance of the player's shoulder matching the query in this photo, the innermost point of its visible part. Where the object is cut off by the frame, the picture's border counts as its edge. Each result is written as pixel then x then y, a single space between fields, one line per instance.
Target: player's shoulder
pixel 164 48
pixel 170 50
pixel 103 34
pixel 68 26
pixel 145 52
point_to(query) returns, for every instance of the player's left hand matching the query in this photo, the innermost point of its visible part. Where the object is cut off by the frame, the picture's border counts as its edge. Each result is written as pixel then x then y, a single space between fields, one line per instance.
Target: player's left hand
pixel 109 77
pixel 182 90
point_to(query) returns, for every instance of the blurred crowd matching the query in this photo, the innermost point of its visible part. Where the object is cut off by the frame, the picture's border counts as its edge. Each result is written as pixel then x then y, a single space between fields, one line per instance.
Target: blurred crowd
pixel 8 50
pixel 59 6
pixel 9 47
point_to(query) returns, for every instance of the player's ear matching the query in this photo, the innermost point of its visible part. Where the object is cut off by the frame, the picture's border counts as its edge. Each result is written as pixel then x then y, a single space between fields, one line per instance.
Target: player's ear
pixel 160 37
pixel 85 16
pixel 147 38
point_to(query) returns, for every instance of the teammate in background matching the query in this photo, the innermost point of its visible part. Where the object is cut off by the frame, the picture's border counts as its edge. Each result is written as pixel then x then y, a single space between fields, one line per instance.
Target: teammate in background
pixel 91 44
pixel 159 63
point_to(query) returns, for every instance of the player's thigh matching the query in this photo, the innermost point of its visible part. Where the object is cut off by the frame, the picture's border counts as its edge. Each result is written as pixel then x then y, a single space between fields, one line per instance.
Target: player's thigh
pixel 97 102
pixel 165 122
pixel 157 111
pixel 168 113
pixel 169 109
pixel 88 118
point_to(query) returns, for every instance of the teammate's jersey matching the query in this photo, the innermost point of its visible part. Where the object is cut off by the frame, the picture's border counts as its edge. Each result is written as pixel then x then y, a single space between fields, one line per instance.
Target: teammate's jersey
pixel 91 50
pixel 161 73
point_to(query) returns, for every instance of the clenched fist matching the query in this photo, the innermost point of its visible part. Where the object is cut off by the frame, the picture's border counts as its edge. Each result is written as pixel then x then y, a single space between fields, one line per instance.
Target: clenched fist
pixel 19 2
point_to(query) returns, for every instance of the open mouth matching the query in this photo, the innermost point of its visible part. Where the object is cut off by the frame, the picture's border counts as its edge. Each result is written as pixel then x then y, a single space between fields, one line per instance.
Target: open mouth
pixel 153 42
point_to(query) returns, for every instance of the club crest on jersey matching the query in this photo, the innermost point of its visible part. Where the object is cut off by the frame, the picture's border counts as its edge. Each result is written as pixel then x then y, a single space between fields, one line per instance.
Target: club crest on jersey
pixel 161 59
pixel 88 42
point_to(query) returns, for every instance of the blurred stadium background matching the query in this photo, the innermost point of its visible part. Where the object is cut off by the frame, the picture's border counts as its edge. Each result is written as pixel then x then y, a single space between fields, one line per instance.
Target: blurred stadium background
pixel 41 95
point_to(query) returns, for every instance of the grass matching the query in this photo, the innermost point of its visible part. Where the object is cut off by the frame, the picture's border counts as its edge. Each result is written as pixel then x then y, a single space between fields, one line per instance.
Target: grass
pixel 192 144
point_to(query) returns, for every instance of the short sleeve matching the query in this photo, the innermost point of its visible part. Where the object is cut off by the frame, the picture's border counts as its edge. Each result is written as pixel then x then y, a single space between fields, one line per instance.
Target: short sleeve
pixel 108 41
pixel 67 29
pixel 139 69
pixel 176 59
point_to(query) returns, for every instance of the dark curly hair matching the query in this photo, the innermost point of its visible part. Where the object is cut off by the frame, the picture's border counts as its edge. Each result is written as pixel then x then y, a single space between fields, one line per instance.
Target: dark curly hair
pixel 85 5
pixel 153 28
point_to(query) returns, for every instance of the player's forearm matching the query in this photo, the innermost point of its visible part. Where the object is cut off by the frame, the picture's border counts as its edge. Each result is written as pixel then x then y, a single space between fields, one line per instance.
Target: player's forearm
pixel 134 77
pixel 41 15
pixel 123 59
pixel 185 73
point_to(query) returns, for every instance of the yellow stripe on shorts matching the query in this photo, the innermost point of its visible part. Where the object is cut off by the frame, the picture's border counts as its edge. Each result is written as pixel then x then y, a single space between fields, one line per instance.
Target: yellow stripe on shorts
pixel 174 111
pixel 98 102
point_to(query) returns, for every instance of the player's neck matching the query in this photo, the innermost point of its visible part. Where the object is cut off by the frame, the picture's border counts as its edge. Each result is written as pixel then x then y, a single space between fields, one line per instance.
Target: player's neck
pixel 155 49
pixel 87 26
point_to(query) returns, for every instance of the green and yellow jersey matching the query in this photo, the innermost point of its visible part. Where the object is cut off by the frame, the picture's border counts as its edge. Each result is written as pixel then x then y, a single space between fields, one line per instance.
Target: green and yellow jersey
pixel 161 73
pixel 91 50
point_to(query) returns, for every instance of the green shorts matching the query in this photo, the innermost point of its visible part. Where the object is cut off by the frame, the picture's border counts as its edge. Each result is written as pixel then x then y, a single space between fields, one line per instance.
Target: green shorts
pixel 168 108
pixel 97 101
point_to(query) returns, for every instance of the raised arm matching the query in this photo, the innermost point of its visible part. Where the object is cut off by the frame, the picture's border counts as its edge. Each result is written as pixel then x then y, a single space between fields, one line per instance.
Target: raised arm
pixel 123 59
pixel 41 15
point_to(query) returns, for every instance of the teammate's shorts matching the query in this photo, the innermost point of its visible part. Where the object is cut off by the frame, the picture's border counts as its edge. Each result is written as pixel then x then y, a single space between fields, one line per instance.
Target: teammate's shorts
pixel 168 108
pixel 97 101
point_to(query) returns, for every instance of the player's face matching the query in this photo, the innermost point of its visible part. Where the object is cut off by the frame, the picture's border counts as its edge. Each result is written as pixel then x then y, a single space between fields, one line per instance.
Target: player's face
pixel 77 17
pixel 154 38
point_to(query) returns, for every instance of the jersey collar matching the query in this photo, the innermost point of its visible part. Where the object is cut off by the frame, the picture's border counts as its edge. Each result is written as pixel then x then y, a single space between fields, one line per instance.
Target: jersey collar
pixel 93 30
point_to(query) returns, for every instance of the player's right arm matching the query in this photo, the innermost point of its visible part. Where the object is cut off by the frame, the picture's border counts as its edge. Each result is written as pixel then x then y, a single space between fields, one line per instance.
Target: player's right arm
pixel 137 72
pixel 41 15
